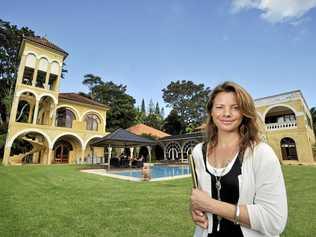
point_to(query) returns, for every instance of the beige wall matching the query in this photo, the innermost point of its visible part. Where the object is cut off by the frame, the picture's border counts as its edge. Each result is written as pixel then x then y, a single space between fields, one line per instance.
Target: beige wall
pixel 302 134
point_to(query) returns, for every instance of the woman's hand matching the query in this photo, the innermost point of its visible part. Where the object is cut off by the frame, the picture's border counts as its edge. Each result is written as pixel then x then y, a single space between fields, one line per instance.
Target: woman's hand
pixel 199 218
pixel 200 200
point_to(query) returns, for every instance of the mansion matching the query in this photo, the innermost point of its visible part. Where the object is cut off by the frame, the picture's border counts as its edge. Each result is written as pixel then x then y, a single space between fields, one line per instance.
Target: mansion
pixel 49 127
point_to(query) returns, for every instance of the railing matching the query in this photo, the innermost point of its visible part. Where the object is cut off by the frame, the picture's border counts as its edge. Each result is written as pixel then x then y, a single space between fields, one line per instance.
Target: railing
pixel 277 126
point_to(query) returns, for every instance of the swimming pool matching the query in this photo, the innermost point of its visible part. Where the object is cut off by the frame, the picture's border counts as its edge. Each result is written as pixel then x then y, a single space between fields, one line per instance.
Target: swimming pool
pixel 159 171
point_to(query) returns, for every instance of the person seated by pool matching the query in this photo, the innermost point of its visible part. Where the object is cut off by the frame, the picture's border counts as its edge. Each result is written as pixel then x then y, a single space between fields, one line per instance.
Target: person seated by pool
pixel 146 172
pixel 140 158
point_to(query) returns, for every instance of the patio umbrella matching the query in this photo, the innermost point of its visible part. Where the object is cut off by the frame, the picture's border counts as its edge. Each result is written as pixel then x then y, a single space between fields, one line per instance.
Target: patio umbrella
pixel 122 138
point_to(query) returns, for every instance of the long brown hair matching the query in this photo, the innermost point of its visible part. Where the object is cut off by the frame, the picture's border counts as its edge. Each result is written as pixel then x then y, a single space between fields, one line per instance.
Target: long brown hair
pixel 248 129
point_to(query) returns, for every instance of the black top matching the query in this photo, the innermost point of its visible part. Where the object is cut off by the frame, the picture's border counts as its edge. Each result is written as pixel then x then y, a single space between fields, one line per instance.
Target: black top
pixel 229 193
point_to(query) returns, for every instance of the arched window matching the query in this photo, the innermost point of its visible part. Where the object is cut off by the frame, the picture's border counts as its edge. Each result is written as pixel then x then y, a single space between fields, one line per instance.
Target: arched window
pixel 41 73
pixel 53 76
pixel 288 149
pixel 64 118
pixel 29 69
pixel 92 122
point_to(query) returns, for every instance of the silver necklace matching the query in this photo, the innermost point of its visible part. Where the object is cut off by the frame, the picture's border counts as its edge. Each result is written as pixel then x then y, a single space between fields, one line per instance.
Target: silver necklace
pixel 218 186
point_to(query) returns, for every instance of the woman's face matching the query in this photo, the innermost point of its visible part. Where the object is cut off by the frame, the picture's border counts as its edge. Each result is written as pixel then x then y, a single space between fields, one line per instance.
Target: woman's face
pixel 226 112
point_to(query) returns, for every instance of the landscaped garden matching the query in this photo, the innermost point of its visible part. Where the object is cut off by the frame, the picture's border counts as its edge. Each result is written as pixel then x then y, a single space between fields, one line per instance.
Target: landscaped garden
pixel 59 200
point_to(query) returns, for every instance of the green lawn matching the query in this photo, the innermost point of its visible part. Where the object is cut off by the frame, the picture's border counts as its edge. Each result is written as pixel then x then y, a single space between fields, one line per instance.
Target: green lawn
pixel 61 201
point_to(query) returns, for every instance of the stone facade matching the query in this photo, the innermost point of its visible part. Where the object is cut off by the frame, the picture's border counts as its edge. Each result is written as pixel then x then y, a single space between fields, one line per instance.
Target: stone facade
pixel 53 127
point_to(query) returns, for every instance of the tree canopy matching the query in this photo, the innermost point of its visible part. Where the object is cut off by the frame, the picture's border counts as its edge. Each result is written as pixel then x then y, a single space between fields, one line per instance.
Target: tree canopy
pixel 188 100
pixel 122 113
pixel 173 124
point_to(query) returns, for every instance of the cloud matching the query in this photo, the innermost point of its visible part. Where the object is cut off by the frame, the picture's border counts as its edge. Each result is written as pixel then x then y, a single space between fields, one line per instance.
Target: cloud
pixel 276 10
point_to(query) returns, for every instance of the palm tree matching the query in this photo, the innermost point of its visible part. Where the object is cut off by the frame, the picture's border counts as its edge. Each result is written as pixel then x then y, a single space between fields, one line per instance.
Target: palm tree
pixel 92 81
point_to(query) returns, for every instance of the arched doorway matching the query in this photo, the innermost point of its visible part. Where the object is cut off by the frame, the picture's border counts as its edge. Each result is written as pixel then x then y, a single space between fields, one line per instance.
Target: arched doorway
pixel 288 149
pixel 29 148
pixel 143 151
pixel 173 151
pixel 45 111
pixel 62 151
pixel 159 152
pixel 187 149
pixel 68 149
pixel 24 114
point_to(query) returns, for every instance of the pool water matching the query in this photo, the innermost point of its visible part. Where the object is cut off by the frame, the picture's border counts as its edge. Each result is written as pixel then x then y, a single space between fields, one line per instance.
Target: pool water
pixel 159 171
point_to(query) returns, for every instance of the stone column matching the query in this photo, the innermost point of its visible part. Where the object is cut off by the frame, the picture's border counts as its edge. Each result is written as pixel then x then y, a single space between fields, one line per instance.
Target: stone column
pixel 31 114
pixel 164 152
pixel 35 112
pixel 47 76
pixel 131 149
pixel 58 78
pixel 14 109
pixel 6 155
pixel 35 73
pixel 82 155
pixel 149 153
pixel 21 69
pixel 50 156
pixel 54 117
pixel 182 154
pixel 109 156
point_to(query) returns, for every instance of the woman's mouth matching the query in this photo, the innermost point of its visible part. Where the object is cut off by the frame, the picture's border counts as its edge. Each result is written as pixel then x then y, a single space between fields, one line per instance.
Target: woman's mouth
pixel 227 122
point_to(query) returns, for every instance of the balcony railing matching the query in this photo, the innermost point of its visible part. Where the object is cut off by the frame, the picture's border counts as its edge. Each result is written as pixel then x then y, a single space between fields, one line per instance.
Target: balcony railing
pixel 277 126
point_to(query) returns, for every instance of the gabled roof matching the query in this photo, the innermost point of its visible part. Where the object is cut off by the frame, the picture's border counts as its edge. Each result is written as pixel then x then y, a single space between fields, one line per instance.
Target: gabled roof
pixel 122 138
pixel 81 99
pixel 44 42
pixel 185 136
pixel 140 129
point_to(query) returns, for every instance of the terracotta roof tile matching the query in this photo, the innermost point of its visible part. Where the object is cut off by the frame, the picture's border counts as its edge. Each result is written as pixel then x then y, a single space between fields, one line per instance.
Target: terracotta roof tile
pixel 140 129
pixel 79 98
pixel 45 42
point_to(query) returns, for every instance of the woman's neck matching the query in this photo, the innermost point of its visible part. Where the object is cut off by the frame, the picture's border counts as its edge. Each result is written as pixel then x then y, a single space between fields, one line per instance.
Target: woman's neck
pixel 227 139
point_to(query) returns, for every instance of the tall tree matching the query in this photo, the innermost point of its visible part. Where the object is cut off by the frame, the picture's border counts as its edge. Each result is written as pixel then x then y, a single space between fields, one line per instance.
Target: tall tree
pixel 151 107
pixel 143 108
pixel 153 120
pixel 122 113
pixel 162 112
pixel 173 124
pixel 92 82
pixel 157 109
pixel 188 99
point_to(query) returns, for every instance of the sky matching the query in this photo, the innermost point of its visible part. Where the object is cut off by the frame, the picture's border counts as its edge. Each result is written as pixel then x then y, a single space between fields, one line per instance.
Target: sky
pixel 267 46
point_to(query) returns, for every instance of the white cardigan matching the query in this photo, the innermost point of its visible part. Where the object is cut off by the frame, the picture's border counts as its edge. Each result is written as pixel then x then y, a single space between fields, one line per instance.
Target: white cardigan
pixel 261 188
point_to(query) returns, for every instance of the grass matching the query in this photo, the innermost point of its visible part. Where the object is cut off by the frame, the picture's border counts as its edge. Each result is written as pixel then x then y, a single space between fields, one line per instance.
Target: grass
pixel 61 201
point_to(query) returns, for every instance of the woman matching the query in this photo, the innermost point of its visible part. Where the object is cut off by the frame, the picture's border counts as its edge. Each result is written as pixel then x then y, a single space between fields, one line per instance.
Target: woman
pixel 241 187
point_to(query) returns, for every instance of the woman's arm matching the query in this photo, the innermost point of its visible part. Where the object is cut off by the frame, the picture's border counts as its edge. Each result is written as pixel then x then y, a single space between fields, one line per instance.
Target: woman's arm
pixel 202 201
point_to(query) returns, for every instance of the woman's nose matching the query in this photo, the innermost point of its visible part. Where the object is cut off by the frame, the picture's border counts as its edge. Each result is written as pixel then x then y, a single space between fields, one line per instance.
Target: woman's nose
pixel 227 112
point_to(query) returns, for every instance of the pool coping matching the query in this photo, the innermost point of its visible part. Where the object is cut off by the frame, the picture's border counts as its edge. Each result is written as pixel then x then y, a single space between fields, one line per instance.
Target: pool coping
pixel 104 172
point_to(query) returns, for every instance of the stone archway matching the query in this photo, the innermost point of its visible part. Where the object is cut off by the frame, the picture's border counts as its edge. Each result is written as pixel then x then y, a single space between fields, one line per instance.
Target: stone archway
pixel 67 149
pixel 29 148
pixel 173 151
pixel 288 149
pixel 62 151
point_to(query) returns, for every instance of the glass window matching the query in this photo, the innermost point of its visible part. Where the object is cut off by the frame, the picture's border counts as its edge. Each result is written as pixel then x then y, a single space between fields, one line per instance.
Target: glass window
pixel 40 80
pixel 92 122
pixel 28 75
pixel 52 81
pixel 64 118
